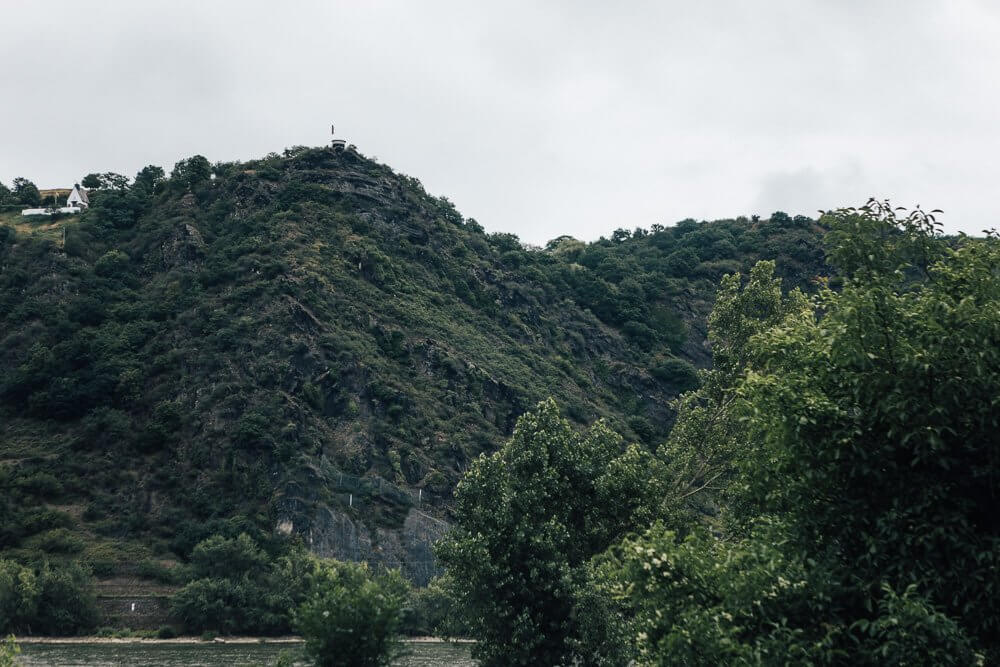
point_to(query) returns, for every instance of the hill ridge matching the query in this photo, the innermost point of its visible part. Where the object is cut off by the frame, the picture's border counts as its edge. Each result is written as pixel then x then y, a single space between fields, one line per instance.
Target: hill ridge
pixel 201 346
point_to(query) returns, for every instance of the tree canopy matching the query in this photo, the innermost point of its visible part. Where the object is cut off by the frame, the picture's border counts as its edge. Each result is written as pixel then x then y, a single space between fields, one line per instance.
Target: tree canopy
pixel 858 523
pixel 529 518
pixel 826 495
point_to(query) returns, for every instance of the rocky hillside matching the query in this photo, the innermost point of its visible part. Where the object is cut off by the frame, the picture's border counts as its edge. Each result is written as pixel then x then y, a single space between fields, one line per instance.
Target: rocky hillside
pixel 311 344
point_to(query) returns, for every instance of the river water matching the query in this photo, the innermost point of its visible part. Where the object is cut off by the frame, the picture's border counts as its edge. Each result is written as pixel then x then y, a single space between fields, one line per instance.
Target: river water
pixel 206 654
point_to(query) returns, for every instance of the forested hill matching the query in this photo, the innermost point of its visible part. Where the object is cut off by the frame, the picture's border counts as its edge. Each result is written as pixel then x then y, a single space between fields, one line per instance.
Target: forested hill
pixel 312 343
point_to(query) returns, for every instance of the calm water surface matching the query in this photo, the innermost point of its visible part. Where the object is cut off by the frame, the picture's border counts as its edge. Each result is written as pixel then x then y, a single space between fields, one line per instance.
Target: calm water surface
pixel 210 655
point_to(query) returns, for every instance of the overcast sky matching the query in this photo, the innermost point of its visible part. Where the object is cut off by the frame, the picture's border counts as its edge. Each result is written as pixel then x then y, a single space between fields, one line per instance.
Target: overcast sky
pixel 538 118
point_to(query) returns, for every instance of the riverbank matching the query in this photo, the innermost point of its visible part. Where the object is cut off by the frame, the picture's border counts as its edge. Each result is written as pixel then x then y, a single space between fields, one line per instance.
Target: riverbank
pixel 198 640
pixel 152 640
pixel 191 652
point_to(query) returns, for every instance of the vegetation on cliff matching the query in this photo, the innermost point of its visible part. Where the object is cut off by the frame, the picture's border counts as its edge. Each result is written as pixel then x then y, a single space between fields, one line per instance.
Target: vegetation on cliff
pixel 240 346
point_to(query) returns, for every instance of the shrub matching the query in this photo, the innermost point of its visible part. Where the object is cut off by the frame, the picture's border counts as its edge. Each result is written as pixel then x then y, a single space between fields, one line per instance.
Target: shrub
pixel 352 617
pixel 704 601
pixel 677 373
pixel 41 484
pixel 57 541
pixel 9 651
pixel 166 632
pixel 433 611
pixel 112 263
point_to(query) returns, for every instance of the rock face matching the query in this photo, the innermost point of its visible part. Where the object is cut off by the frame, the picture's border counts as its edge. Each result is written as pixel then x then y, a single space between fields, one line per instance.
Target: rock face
pixel 334 534
pixel 363 519
pixel 139 612
pixel 183 248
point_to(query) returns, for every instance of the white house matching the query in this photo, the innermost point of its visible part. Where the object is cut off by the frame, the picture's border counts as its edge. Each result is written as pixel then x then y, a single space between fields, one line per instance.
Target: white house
pixel 78 197
pixel 76 202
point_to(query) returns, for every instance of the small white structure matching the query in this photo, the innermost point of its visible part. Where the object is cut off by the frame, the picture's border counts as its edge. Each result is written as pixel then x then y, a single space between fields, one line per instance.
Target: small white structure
pixel 76 202
pixel 78 197
pixel 337 144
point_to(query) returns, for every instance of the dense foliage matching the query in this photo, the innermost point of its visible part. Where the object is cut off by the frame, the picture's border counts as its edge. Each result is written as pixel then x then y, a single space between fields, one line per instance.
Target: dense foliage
pixel 529 519
pixel 237 587
pixel 312 333
pixel 347 614
pixel 23 194
pixel 48 600
pixel 857 527
pixel 352 617
pixel 827 492
pixel 9 651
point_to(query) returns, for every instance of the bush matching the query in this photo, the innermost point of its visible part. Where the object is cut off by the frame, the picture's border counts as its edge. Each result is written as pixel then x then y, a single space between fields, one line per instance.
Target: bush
pixel 433 611
pixel 41 484
pixel 166 632
pixel 151 569
pixel 704 601
pixel 56 541
pixel 677 373
pixel 9 651
pixel 352 618
pixel 112 263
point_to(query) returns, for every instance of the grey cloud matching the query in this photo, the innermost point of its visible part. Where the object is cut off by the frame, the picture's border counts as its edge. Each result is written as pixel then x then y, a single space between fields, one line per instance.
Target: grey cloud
pixel 808 190
pixel 563 117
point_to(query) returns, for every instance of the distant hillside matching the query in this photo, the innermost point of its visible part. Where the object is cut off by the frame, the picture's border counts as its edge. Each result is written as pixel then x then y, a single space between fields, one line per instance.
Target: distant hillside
pixel 312 343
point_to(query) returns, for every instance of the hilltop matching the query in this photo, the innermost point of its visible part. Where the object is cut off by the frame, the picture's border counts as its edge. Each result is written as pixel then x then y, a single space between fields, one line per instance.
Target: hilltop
pixel 310 343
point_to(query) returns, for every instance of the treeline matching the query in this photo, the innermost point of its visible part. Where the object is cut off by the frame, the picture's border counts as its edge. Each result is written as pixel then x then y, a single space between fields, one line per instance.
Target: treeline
pixel 825 497
pixel 232 583
pixel 347 614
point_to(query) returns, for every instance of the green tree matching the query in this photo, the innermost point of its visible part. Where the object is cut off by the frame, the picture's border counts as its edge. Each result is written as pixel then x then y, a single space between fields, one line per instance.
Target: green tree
pixel 18 595
pixel 240 588
pixel 52 600
pixel 67 602
pixel 529 518
pixel 708 432
pixel 680 262
pixel 352 617
pixel 191 172
pixel 26 193
pixel 111 263
pixel 432 611
pixel 149 179
pixel 852 438
pixel 108 180
pixel 874 414
pixel 761 600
